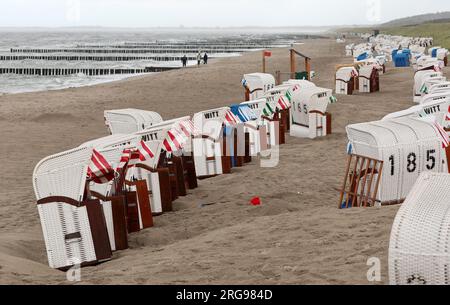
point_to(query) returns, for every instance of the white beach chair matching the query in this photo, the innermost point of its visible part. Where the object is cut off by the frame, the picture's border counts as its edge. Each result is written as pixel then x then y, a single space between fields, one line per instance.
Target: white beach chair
pixel 176 136
pixel 419 80
pixel 257 84
pixel 284 95
pixel 264 132
pixel 369 79
pixel 128 121
pixel 207 145
pixel 249 114
pixel 439 53
pixel 74 230
pixel 442 87
pixel 114 205
pixel 349 49
pixel 430 82
pixel 432 105
pixel 345 80
pixel 425 63
pixel 420 236
pixel 160 189
pixel 404 146
pixel 309 117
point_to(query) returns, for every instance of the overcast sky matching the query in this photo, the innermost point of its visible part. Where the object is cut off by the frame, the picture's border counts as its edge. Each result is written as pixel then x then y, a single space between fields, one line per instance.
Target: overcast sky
pixel 208 13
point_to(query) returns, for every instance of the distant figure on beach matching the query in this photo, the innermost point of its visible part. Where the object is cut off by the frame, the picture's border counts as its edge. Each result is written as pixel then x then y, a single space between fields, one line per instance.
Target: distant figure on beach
pixel 199 58
pixel 205 59
pixel 184 60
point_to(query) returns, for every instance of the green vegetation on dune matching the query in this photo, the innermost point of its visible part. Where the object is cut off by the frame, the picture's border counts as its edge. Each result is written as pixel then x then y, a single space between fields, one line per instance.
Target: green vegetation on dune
pixel 440 31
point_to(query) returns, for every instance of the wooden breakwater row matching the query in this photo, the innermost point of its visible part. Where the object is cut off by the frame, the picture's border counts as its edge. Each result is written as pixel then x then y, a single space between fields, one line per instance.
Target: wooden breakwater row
pixel 118 51
pixel 91 58
pixel 86 71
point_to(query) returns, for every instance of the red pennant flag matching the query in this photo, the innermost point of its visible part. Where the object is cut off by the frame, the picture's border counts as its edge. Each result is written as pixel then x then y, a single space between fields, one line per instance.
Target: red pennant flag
pixel 267 54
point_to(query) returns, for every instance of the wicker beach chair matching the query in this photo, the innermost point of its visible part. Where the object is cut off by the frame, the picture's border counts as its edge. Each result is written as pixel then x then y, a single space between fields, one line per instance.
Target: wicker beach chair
pixel 113 195
pixel 257 84
pixel 345 80
pixel 405 147
pixel 430 82
pixel 176 136
pixel 442 87
pixel 419 80
pixel 113 201
pixel 74 229
pixel 435 105
pixel 208 144
pixel 426 63
pixel 287 91
pixel 309 117
pixel 126 197
pixel 255 134
pixel 264 132
pixel 369 79
pixel 419 244
pixel 128 121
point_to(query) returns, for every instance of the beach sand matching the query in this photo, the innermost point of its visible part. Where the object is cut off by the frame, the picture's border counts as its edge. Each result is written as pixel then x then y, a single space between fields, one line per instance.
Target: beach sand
pixel 297 236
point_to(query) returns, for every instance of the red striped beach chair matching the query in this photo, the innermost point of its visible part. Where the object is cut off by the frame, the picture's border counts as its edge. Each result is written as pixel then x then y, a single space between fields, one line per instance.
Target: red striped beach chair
pixel 123 153
pixel 176 160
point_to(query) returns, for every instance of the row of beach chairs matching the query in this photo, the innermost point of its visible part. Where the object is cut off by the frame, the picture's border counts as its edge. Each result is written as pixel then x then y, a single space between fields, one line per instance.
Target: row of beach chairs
pixel 92 197
pixel 418 250
pixel 405 158
pixel 363 76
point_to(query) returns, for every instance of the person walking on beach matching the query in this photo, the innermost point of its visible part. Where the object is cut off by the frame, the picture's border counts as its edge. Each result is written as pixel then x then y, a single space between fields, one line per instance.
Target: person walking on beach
pixel 205 58
pixel 199 59
pixel 184 60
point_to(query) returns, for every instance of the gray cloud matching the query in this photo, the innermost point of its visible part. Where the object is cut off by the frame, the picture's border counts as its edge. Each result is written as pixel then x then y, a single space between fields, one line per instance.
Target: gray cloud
pixel 152 13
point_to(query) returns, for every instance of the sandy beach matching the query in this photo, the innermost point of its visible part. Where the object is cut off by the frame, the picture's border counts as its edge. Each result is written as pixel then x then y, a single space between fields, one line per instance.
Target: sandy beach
pixel 297 236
